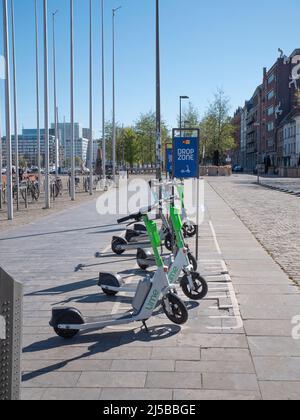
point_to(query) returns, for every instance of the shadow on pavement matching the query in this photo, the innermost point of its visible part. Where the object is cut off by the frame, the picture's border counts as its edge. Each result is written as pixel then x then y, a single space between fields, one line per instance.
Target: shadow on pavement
pixel 65 288
pixel 104 343
pixel 34 235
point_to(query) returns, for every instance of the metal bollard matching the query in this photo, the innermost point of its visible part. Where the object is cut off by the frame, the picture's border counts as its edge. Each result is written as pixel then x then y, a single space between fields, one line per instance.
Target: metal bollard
pixel 11 297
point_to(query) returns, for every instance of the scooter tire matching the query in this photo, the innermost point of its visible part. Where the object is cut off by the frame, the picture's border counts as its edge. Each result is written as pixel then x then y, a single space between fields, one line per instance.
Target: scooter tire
pixel 200 286
pixel 193 261
pixel 169 242
pixel 179 314
pixel 141 255
pixel 117 244
pixel 68 318
pixel 189 230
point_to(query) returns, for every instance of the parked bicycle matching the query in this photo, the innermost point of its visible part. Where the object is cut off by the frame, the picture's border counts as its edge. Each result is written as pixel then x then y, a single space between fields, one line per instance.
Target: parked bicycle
pixel 56 187
pixel 32 191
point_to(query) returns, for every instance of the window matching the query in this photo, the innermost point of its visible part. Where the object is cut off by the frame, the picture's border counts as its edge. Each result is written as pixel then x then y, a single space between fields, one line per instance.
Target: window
pixel 270 111
pixel 271 79
pixel 270 95
pixel 270 126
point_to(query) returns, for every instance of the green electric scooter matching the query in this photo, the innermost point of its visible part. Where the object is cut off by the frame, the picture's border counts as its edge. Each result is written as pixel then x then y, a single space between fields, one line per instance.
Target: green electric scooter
pixel 193 285
pixel 68 322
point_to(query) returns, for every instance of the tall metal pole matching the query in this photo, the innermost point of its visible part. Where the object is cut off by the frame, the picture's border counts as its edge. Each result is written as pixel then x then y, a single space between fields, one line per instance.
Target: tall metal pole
pixel 73 194
pixel 46 107
pixel 55 97
pixel 17 183
pixel 91 101
pixel 103 96
pixel 114 140
pixel 158 103
pixel 1 159
pixel 38 100
pixel 180 113
pixel 10 209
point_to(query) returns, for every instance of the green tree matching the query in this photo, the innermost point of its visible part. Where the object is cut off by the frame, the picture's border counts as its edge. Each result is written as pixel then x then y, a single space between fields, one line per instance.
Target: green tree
pixel 217 129
pixel 145 129
pixel 22 162
pixel 109 141
pixel 130 146
pixel 190 117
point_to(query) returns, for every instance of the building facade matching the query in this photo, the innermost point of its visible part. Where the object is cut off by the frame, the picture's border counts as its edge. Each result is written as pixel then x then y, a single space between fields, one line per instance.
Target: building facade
pixel 268 122
pixel 28 147
pixel 253 136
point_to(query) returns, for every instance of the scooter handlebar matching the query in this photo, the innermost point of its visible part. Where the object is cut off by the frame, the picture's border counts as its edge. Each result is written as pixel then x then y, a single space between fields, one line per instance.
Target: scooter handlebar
pixel 137 216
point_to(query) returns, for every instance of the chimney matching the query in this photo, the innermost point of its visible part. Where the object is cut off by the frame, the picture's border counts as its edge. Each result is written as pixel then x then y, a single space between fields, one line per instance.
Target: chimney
pixel 265 71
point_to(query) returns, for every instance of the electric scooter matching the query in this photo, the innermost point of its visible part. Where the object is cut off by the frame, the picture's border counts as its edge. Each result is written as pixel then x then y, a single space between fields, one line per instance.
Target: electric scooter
pixel 120 245
pixel 189 228
pixel 193 285
pixel 68 322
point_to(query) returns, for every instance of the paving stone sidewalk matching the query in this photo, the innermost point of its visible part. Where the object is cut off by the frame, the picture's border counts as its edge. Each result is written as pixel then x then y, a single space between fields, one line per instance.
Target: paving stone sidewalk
pixel 236 345
pixel 272 216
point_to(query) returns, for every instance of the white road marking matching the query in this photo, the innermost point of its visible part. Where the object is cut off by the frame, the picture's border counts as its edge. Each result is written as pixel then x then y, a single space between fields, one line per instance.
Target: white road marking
pixel 235 305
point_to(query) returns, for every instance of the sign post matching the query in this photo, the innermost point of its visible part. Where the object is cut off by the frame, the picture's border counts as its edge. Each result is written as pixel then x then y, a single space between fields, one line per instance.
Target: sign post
pixel 186 163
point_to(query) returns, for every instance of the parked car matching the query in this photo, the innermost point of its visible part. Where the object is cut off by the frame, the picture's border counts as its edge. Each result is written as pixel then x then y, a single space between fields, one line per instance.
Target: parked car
pixel 237 169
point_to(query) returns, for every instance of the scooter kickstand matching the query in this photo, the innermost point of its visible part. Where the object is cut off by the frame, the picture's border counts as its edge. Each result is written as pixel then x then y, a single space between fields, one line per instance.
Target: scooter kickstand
pixel 145 326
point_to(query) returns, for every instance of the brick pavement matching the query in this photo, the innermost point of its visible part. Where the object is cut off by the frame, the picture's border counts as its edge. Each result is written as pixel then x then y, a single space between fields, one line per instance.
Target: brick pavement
pixel 272 216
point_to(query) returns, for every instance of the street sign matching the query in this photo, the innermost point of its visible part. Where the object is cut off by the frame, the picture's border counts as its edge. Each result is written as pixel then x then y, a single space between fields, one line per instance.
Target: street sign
pixel 169 159
pixel 186 157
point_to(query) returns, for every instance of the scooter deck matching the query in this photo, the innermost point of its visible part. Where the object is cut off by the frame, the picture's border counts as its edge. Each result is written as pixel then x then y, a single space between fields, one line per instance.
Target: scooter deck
pixel 107 318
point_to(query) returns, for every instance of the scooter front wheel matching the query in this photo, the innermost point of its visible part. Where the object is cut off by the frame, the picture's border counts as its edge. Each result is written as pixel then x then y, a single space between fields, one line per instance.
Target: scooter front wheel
pixel 117 246
pixel 199 289
pixel 68 318
pixel 193 261
pixel 175 309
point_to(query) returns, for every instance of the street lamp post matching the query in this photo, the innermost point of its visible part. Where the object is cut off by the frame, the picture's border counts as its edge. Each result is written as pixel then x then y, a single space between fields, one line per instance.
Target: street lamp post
pixel 46 108
pixel 17 183
pixel 55 97
pixel 38 99
pixel 114 99
pixel 10 209
pixel 158 98
pixel 1 160
pixel 103 97
pixel 72 180
pixel 91 100
pixel 180 109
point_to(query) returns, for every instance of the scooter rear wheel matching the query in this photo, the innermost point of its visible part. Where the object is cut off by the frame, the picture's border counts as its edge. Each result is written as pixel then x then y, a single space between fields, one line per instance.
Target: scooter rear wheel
pixel 189 230
pixel 169 242
pixel 68 318
pixel 117 246
pixel 200 287
pixel 179 314
pixel 141 255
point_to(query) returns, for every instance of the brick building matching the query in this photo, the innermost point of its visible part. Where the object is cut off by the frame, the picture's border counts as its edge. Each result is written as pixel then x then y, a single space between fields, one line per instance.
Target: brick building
pixel 253 137
pixel 271 125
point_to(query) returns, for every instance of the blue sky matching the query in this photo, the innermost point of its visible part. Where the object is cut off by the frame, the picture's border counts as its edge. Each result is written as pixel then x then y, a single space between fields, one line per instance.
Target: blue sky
pixel 204 45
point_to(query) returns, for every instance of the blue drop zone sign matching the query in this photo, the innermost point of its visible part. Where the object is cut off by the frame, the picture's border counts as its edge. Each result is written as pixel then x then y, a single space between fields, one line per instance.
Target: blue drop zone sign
pixel 186 157
pixel 169 160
